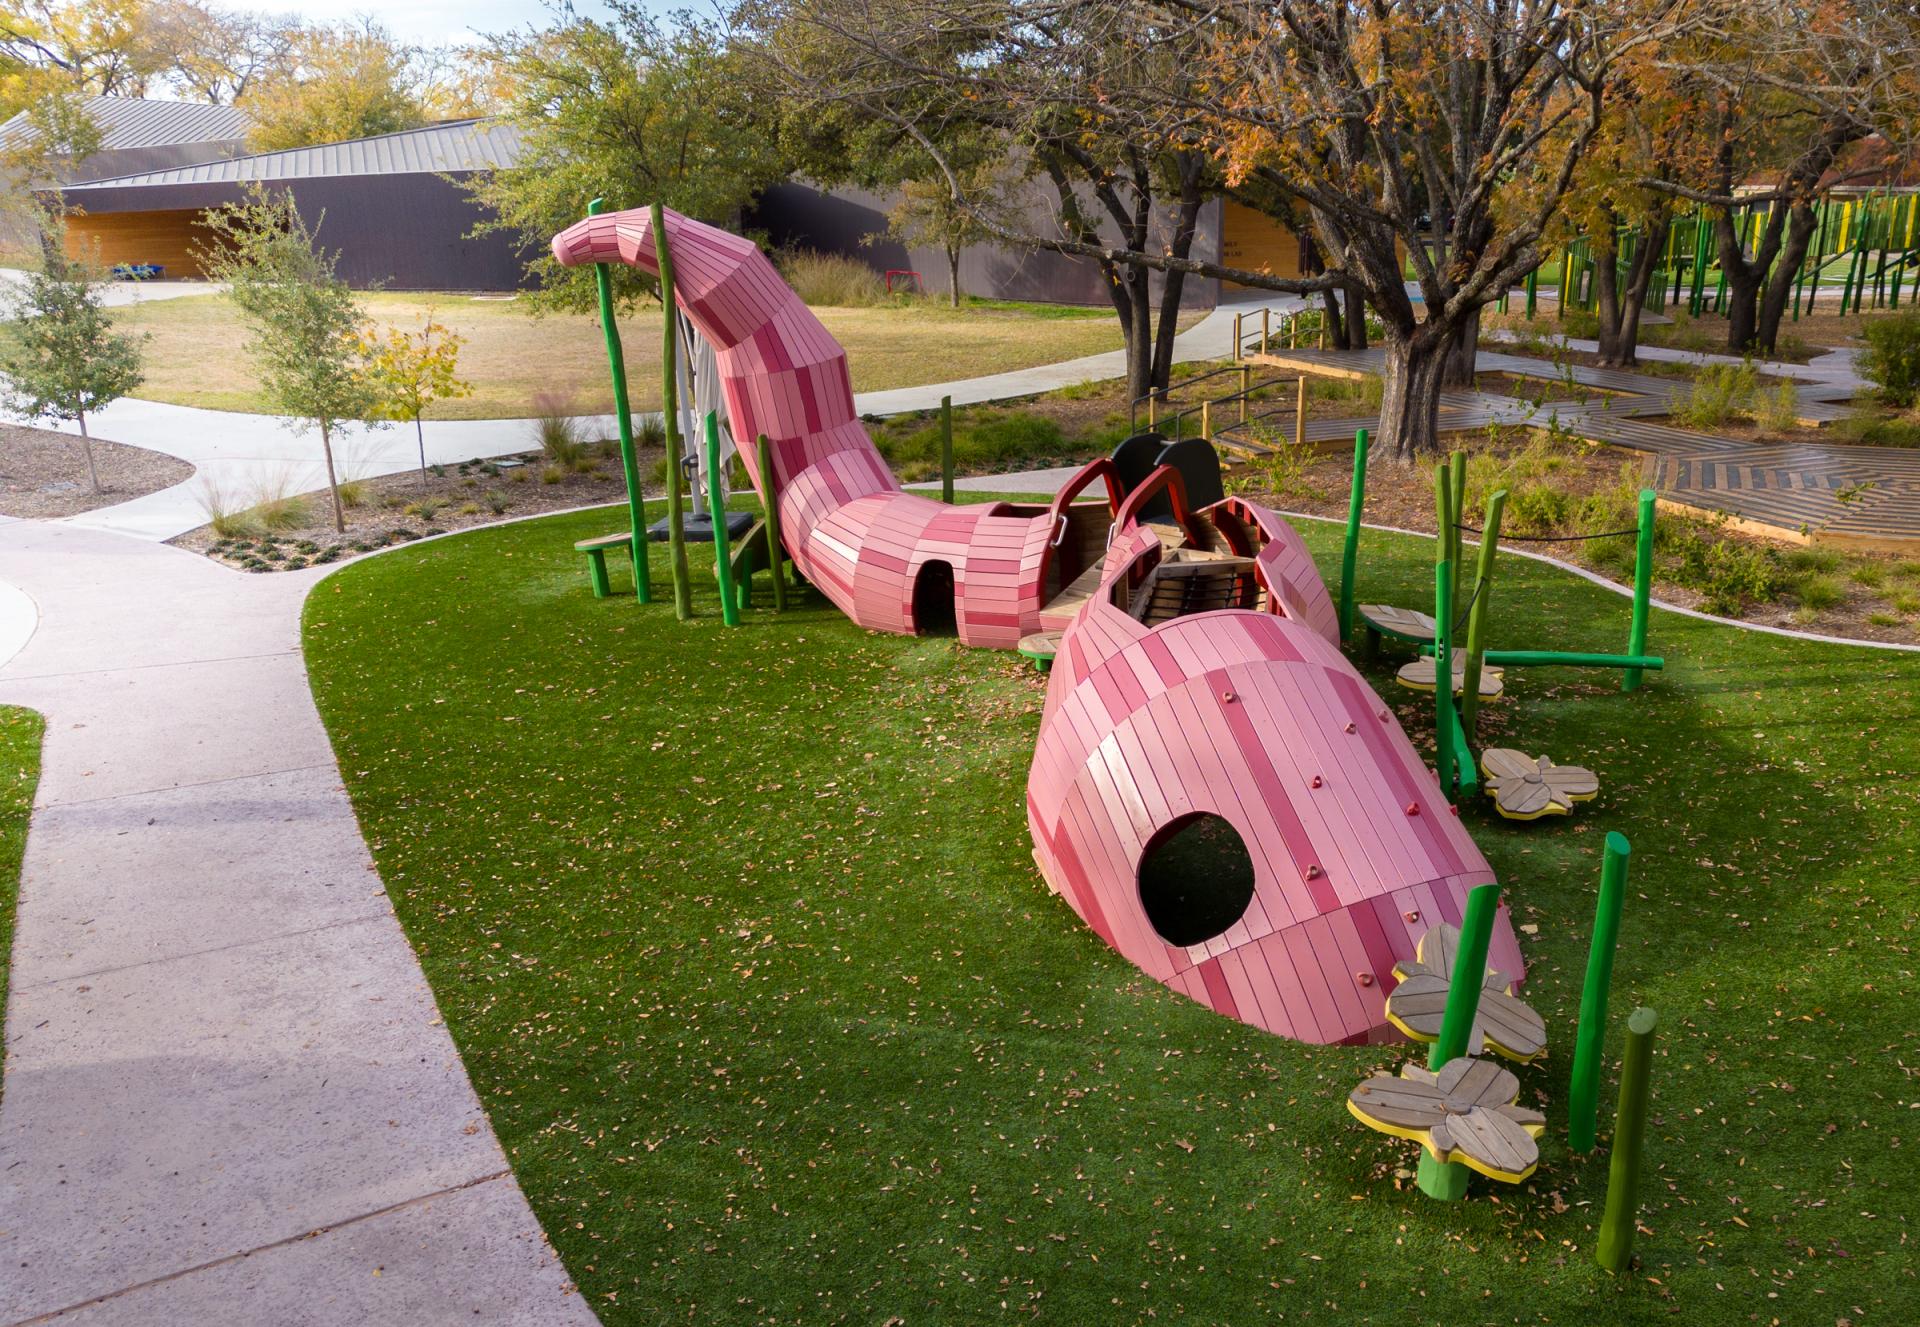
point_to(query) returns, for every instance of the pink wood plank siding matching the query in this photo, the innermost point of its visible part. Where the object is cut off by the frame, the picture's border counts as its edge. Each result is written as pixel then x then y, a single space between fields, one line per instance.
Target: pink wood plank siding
pixel 1238 713
pixel 1255 717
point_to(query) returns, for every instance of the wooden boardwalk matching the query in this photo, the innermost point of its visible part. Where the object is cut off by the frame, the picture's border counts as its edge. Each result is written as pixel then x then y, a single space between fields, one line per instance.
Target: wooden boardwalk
pixel 1827 493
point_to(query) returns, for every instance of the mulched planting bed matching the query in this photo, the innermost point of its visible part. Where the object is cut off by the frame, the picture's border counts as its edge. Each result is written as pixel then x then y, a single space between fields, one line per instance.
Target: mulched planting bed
pixel 43 474
pixel 402 507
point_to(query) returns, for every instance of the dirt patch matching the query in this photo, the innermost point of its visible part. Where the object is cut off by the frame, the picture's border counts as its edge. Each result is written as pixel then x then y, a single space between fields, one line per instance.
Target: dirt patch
pixel 43 474
pixel 288 534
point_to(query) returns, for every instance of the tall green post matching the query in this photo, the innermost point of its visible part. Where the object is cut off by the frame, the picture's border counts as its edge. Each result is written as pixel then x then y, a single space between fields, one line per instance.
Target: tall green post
pixel 1445 755
pixel 670 412
pixel 1350 550
pixel 1448 1180
pixel 1615 1246
pixel 946 449
pixel 623 416
pixel 1457 498
pixel 1477 612
pixel 1533 294
pixel 717 512
pixel 1642 589
pixel 770 503
pixel 1583 1092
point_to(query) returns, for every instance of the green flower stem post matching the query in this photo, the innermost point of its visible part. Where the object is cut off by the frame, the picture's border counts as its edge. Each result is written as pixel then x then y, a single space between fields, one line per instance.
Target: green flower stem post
pixel 1350 550
pixel 717 510
pixel 1447 1181
pixel 1629 1139
pixel 1446 756
pixel 1477 612
pixel 1642 588
pixel 770 502
pixel 946 449
pixel 670 412
pixel 1583 1092
pixel 623 414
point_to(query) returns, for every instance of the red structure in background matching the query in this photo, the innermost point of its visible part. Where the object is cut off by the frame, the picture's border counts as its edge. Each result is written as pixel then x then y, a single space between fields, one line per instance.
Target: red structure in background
pixel 1215 790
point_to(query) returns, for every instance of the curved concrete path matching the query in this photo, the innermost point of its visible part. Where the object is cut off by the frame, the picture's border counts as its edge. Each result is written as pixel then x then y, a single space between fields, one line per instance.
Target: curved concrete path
pixel 228 1096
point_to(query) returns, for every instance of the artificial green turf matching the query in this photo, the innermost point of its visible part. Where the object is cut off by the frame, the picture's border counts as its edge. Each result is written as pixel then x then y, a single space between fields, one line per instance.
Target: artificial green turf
pixel 19 774
pixel 739 934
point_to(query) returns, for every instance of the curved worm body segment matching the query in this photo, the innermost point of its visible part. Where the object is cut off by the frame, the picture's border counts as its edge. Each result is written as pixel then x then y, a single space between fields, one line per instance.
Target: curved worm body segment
pixel 846 523
pixel 1254 718
pixel 1199 681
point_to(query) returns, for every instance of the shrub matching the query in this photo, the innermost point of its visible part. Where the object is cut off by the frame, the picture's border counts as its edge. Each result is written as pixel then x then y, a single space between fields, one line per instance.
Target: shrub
pixel 557 432
pixel 353 492
pixel 1884 619
pixel 1892 358
pixel 425 508
pixel 1717 394
pixel 1728 575
pixel 230 519
pixel 1879 431
pixel 1819 593
pixel 496 501
pixel 1537 508
pixel 1580 324
pixel 1868 574
pixel 650 431
pixel 469 509
pixel 832 279
pixel 983 439
pixel 1811 561
pixel 1777 410
pixel 552 474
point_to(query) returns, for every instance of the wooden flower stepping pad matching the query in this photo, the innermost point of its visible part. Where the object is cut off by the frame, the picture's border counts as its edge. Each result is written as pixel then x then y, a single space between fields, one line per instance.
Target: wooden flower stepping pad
pixel 1400 623
pixel 1504 1022
pixel 1526 788
pixel 1466 1113
pixel 1420 675
pixel 1040 647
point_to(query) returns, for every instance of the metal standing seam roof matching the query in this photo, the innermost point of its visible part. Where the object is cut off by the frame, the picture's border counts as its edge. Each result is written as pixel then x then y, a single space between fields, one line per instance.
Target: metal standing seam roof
pixel 460 145
pixel 136 122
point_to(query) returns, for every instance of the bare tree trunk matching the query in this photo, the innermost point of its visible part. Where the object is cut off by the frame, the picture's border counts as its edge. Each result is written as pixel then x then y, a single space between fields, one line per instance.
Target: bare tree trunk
pixel 1801 223
pixel 420 436
pixel 333 484
pixel 1354 302
pixel 1620 309
pixel 953 274
pixel 1410 394
pixel 1463 352
pixel 87 444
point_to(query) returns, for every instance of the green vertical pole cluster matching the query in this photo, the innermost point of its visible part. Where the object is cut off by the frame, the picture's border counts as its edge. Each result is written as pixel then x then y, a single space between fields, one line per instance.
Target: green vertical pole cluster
pixel 1350 550
pixel 1477 613
pixel 670 411
pixel 1642 588
pixel 1583 1092
pixel 717 512
pixel 623 415
pixel 1615 1245
pixel 770 503
pixel 946 449
pixel 1448 1181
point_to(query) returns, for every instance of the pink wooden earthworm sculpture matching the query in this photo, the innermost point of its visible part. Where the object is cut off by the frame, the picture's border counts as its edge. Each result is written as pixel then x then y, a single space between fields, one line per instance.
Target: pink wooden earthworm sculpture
pixel 1199 684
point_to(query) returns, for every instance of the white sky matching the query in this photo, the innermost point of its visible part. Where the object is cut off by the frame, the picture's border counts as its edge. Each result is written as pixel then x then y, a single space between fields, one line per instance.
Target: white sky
pixel 428 22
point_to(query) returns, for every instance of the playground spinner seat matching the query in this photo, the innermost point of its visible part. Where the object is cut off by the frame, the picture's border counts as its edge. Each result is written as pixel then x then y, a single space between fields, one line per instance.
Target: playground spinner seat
pixel 1418 1004
pixel 1400 623
pixel 1041 647
pixel 596 551
pixel 1524 787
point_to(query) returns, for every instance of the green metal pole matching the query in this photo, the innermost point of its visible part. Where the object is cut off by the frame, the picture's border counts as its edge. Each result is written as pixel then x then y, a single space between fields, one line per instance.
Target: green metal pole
pixel 770 502
pixel 1583 1093
pixel 1533 294
pixel 1448 1181
pixel 946 449
pixel 1568 659
pixel 1457 493
pixel 1350 550
pixel 1443 717
pixel 623 415
pixel 717 511
pixel 670 411
pixel 1477 614
pixel 1615 1246
pixel 1642 588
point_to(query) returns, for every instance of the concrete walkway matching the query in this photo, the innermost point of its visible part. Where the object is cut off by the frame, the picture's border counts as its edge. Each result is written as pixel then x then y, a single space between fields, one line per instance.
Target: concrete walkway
pixel 229 1097
pixel 236 454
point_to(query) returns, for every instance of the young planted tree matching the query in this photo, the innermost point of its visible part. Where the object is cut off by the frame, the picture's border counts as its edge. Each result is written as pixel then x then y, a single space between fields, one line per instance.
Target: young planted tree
pixel 927 214
pixel 305 322
pixel 60 357
pixel 409 371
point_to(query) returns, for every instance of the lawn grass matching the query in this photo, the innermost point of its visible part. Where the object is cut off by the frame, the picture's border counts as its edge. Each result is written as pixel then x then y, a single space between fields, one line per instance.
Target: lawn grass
pixel 20 732
pixel 740 937
pixel 197 351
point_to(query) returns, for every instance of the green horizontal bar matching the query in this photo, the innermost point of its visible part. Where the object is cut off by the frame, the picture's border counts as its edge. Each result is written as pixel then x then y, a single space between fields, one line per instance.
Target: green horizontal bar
pixel 1543 658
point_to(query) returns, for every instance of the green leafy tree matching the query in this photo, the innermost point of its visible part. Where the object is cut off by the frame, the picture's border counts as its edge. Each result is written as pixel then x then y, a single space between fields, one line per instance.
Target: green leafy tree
pixel 60 356
pixel 304 321
pixel 632 110
pixel 333 84
pixel 409 371
pixel 927 213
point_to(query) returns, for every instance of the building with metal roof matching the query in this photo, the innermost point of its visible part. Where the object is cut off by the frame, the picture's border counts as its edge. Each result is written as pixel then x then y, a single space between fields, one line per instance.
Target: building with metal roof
pixel 138 134
pixel 393 207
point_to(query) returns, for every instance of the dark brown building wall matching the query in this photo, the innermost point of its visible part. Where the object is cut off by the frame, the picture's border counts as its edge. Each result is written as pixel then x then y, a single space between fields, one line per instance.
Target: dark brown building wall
pixel 840 220
pixel 400 232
